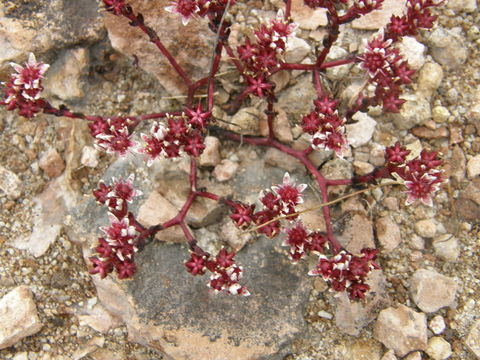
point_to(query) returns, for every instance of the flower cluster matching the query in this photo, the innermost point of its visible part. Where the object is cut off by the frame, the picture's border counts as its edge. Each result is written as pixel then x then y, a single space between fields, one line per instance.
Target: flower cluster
pixel 422 175
pixel 265 53
pixel 418 16
pixel 182 132
pixel 387 70
pixel 117 247
pixel 188 9
pixel 225 273
pixel 347 272
pixel 181 135
pixel 302 241
pixel 23 90
pixel 112 134
pixel 325 126
pixel 363 7
pixel 116 7
pixel 281 200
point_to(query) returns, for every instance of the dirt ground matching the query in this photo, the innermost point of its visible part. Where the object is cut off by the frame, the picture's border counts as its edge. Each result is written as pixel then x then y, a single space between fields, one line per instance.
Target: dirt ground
pixel 60 279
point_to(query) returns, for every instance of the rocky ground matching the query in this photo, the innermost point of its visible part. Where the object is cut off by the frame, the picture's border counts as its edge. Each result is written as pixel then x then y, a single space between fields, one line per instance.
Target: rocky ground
pixel 425 299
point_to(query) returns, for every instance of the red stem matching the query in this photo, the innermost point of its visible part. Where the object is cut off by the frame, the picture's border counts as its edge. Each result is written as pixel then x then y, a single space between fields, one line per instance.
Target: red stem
pixel 332 34
pixel 233 58
pixel 317 83
pixel 311 67
pixel 288 9
pixel 270 117
pixel 63 111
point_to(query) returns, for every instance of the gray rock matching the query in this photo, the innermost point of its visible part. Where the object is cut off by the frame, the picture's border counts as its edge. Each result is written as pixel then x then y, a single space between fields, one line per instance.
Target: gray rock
pixel 473 339
pixel 338 72
pixel 426 228
pixel 64 77
pixel 10 184
pixel 50 209
pixel 413 51
pixel 437 324
pixel 181 301
pixel 448 47
pixel 298 99
pixel 438 348
pixel 63 24
pixel 225 170
pixel 401 329
pixel 462 5
pixel 246 121
pixel 415 111
pixel 18 316
pixel 432 291
pixel 429 79
pixel 447 247
pixel 297 49
pixel 361 132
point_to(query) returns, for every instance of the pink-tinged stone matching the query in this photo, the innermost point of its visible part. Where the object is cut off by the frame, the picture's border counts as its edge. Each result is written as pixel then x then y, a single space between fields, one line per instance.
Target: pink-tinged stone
pixel 281 126
pixel 225 170
pixel 432 291
pixel 379 18
pixel 51 206
pixel 308 18
pixel 10 183
pixel 211 153
pixel 18 316
pixel 401 329
pixel 52 163
pixel 190 45
pixel 388 233
pixel 157 210
pixel 358 233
